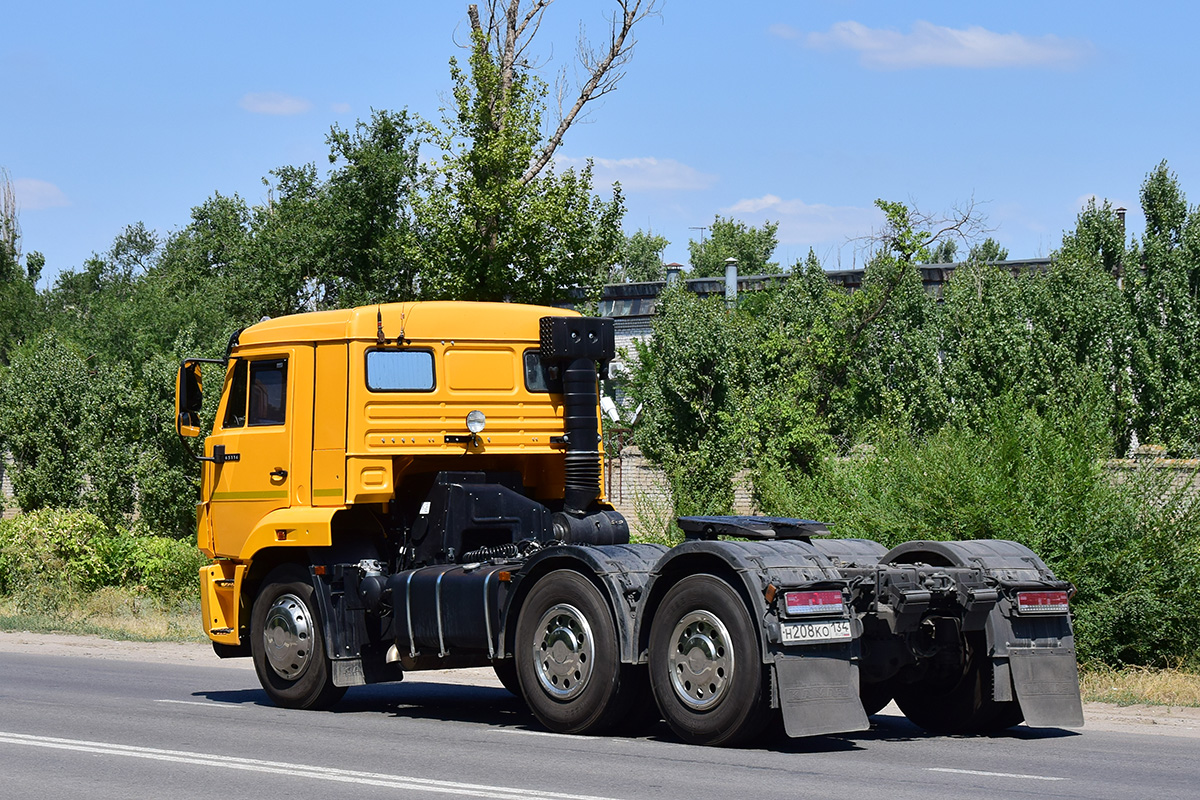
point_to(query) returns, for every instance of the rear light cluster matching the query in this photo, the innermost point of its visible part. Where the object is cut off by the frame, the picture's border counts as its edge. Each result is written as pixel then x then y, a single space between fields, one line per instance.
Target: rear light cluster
pixel 1043 602
pixel 825 601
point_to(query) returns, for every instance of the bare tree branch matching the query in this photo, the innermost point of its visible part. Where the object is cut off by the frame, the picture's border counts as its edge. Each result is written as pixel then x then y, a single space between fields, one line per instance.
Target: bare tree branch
pixel 507 32
pixel 604 73
pixel 964 221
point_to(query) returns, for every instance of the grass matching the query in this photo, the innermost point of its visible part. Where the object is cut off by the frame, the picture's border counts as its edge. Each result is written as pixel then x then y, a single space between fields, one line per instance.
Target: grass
pixel 1129 686
pixel 110 613
pixel 654 521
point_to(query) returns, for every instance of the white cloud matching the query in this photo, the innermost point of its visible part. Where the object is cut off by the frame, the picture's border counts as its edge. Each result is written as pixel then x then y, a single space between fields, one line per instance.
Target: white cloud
pixel 33 194
pixel 928 45
pixel 644 174
pixel 275 103
pixel 340 108
pixel 802 223
pixel 784 31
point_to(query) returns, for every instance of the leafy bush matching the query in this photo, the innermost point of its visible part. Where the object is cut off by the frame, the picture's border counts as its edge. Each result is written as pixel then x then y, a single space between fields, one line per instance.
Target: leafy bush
pixel 167 568
pixel 1146 611
pixel 1132 549
pixel 51 546
pixel 50 558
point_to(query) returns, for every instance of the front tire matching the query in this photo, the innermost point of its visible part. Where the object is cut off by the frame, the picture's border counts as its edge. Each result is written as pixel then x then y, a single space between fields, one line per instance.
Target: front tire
pixel 568 661
pixel 287 643
pixel 506 673
pixel 705 667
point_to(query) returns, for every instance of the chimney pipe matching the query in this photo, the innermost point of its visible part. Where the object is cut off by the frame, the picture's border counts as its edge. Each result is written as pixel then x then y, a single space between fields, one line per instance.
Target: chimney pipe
pixel 731 278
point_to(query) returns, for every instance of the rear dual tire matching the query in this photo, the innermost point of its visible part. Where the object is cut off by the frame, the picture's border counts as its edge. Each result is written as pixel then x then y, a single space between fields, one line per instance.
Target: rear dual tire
pixel 962 707
pixel 706 670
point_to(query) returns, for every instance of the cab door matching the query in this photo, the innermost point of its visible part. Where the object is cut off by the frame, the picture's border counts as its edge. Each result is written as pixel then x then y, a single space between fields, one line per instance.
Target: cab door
pixel 252 444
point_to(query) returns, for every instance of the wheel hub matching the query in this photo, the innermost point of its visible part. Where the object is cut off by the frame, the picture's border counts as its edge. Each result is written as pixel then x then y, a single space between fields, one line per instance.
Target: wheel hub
pixel 563 651
pixel 701 660
pixel 287 636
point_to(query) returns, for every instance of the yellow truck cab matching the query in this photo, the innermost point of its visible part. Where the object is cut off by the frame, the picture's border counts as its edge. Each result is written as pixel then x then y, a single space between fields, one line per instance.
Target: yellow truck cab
pixel 419 485
pixel 334 410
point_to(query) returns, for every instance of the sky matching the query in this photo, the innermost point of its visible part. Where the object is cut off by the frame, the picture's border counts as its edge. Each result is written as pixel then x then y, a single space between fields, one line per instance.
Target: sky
pixel 801 113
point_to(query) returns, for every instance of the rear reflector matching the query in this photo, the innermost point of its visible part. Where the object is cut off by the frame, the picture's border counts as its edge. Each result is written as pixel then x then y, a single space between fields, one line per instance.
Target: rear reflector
pixel 1042 602
pixel 827 601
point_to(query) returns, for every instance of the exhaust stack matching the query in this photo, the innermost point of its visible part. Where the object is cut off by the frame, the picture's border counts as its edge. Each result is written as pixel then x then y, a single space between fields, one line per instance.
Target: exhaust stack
pixel 576 345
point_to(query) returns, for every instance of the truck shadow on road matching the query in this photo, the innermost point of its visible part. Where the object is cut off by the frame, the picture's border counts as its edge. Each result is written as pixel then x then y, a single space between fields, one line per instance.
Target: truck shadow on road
pixel 415 700
pixel 496 707
pixel 889 729
pixel 896 728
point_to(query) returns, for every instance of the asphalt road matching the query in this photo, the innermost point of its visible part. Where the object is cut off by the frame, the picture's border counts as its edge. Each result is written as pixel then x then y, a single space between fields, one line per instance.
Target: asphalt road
pixel 75 726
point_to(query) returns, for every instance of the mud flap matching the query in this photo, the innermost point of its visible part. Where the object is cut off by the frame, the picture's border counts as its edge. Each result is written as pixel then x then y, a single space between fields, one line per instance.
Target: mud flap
pixel 1047 684
pixel 819 696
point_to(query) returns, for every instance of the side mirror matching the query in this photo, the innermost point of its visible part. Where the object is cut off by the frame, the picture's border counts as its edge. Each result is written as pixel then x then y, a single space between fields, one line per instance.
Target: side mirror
pixel 189 397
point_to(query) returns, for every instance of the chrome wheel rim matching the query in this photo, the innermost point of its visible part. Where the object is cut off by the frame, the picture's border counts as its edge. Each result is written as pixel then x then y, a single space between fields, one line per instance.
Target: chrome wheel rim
pixel 287 636
pixel 701 660
pixel 563 651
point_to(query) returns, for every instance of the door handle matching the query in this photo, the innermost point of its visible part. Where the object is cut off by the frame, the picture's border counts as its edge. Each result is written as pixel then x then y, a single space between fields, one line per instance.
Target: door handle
pixel 279 472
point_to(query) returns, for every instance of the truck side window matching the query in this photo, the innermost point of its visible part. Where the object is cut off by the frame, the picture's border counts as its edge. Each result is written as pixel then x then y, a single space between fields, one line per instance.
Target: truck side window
pixel 536 379
pixel 400 371
pixel 268 392
pixel 235 410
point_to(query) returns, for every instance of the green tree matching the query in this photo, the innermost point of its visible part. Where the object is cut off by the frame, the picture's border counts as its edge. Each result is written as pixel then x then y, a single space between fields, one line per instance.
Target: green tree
pixel 206 274
pixel 891 330
pixel 731 238
pixel 987 251
pixel 489 229
pixel 1164 294
pixel 100 306
pixel 686 380
pixel 498 222
pixel 65 423
pixel 347 239
pixel 789 343
pixel 944 252
pixel 128 317
pixel 794 372
pixel 19 312
pixel 1082 330
pixel 987 340
pixel 640 258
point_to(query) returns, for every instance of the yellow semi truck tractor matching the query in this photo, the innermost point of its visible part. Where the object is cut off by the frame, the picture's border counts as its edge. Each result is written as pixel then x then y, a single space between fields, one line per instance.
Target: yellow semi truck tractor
pixel 418 486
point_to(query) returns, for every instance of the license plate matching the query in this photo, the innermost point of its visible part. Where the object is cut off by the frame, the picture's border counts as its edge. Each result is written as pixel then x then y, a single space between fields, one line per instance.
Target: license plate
pixel 811 632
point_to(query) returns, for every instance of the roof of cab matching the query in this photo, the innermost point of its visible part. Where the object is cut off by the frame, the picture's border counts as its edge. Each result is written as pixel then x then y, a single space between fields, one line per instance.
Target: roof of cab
pixel 422 321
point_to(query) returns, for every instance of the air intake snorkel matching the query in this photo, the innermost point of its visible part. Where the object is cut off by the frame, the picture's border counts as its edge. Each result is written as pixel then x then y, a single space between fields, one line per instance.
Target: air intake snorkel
pixel 576 345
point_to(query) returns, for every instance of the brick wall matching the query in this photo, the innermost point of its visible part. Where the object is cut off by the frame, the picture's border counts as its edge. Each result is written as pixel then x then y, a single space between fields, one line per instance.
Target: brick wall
pixel 640 491
pixel 1180 474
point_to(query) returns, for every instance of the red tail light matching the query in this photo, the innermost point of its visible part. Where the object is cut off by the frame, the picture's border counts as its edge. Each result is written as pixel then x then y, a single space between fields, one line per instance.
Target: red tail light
pixel 826 601
pixel 1043 602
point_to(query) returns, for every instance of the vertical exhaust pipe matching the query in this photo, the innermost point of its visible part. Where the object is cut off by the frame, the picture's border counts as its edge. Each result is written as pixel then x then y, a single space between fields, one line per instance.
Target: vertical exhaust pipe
pixel 576 345
pixel 580 398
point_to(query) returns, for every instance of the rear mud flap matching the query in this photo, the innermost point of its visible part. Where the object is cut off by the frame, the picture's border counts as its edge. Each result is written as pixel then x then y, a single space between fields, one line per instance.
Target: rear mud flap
pixel 819 696
pixel 1047 686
